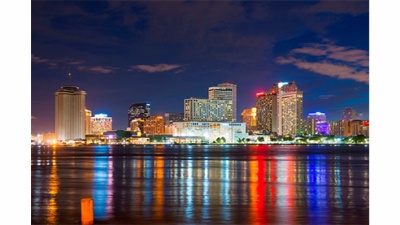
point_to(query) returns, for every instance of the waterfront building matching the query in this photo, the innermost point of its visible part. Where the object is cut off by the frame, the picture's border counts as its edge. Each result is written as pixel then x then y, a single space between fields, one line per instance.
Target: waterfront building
pixel 137 114
pixel 100 123
pixel 197 109
pixel 249 117
pixel 266 107
pixel 289 108
pixel 225 91
pixel 211 131
pixel 348 114
pixel 310 126
pixel 88 116
pixel 70 113
pixel 359 127
pixel 154 125
pixel 340 128
pixel 174 117
pixel 316 124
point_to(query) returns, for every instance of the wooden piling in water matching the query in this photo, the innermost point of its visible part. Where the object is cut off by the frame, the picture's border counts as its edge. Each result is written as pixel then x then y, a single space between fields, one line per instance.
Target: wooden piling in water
pixel 87 215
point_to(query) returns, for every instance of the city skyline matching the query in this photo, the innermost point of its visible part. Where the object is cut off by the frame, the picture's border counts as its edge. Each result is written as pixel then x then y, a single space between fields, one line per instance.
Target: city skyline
pixel 122 53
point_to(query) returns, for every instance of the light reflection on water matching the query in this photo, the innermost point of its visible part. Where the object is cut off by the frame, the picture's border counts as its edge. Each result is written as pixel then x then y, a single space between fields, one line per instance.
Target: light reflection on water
pixel 202 184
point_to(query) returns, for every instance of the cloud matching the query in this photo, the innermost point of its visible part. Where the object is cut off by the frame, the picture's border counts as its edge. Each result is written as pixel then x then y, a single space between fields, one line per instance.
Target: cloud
pixel 33 118
pixel 341 7
pixel 330 60
pixel 157 68
pixel 326 96
pixel 36 59
pixel 97 69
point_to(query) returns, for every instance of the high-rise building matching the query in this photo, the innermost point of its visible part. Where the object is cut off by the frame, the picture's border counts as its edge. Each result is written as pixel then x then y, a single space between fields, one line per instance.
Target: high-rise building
pixel 348 114
pixel 137 114
pixel 340 128
pixel 316 124
pixel 249 117
pixel 289 108
pixel 100 123
pixel 70 113
pixel 154 125
pixel 266 106
pixel 88 115
pixel 226 91
pixel 197 109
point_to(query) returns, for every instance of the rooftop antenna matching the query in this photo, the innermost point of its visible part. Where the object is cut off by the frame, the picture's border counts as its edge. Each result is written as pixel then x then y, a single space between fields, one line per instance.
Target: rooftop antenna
pixel 69 78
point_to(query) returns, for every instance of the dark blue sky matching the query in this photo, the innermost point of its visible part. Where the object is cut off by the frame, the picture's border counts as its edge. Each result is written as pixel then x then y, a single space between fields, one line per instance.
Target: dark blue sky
pixel 163 52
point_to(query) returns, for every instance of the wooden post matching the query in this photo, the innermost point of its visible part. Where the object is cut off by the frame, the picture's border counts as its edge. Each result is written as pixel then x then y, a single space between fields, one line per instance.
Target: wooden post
pixel 87 211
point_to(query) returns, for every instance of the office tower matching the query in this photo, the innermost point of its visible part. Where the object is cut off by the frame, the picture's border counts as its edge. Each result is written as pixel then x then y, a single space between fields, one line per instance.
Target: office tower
pixel 88 115
pixel 318 116
pixel 70 113
pixel 154 125
pixel 266 106
pixel 137 114
pixel 197 109
pixel 225 91
pixel 174 117
pixel 100 123
pixel 289 108
pixel 249 117
pixel 340 128
pixel 348 114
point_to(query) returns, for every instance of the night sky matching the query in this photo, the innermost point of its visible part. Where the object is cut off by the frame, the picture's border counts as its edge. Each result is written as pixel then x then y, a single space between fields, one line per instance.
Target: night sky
pixel 128 52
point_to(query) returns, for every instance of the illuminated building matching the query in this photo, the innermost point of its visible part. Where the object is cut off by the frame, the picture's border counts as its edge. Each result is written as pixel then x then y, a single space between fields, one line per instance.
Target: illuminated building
pixel 137 114
pixel 154 125
pixel 211 130
pixel 360 127
pixel 225 91
pixel 70 113
pixel 266 107
pixel 88 115
pixel 340 128
pixel 348 114
pixel 289 108
pixel 316 124
pixel 249 117
pixel 100 123
pixel 197 109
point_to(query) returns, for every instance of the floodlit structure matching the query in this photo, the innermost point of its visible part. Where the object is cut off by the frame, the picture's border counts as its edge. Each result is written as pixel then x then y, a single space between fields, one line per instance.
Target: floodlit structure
pixel 211 131
pixel 249 117
pixel 197 109
pixel 137 114
pixel 266 105
pixel 88 115
pixel 100 123
pixel 154 125
pixel 226 91
pixel 70 113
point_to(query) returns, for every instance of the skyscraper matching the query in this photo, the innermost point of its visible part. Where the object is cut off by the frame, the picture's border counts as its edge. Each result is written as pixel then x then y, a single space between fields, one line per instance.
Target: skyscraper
pixel 290 108
pixel 249 117
pixel 225 91
pixel 88 115
pixel 70 113
pixel 266 105
pixel 137 114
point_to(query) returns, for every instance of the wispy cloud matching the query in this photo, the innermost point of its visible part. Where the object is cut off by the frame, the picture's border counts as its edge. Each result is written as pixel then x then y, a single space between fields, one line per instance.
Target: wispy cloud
pixel 157 68
pixel 326 96
pixel 330 60
pixel 33 118
pixel 97 69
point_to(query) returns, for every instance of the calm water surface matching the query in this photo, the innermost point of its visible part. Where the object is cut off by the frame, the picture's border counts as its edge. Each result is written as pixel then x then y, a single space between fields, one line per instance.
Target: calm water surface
pixel 202 184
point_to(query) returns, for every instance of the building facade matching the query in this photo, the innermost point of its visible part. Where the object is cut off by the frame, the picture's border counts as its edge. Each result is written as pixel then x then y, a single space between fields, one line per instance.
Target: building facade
pixel 249 117
pixel 226 91
pixel 174 117
pixel 197 109
pixel 88 116
pixel 266 107
pixel 289 108
pixel 211 131
pixel 70 113
pixel 137 114
pixel 154 125
pixel 100 123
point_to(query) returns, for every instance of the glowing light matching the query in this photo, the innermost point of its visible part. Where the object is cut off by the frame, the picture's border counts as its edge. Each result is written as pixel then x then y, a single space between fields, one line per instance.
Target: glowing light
pixel 281 84
pixel 258 94
pixel 100 115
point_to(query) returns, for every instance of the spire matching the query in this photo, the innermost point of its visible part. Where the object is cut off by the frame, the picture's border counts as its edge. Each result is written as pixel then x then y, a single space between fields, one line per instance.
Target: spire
pixel 69 78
